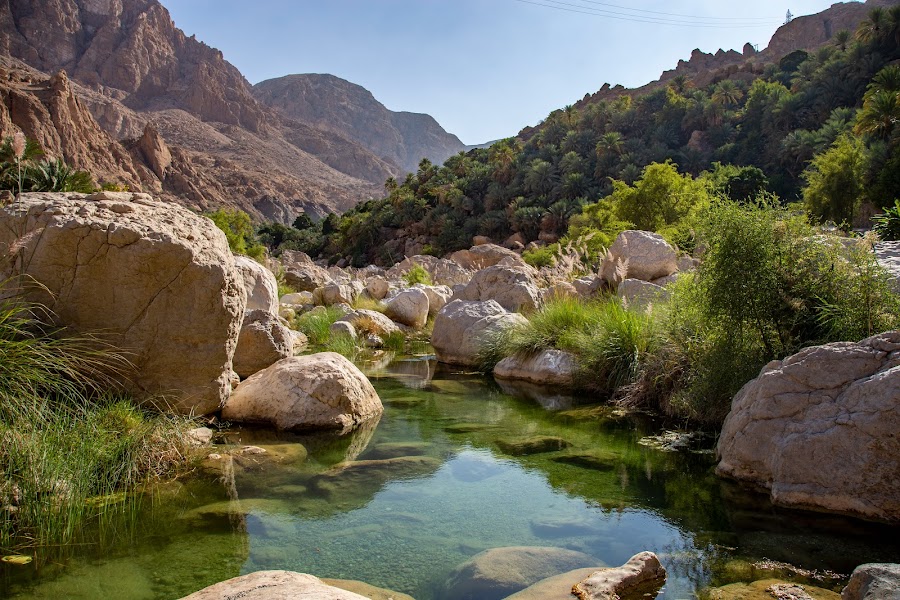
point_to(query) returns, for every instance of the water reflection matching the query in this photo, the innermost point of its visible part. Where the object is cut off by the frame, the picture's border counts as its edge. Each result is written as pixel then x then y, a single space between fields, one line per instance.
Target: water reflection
pixel 455 466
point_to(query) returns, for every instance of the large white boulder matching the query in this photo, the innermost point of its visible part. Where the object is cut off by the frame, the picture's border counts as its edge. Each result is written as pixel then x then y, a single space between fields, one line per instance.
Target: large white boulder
pixel 274 585
pixel 461 327
pixel 156 279
pixel 263 341
pixel 648 255
pixel 819 429
pixel 483 256
pixel 317 391
pixel 514 288
pixel 259 283
pixel 409 307
pixel 438 297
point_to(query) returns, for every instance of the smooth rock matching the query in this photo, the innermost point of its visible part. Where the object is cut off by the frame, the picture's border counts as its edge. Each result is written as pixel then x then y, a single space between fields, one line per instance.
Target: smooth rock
pixel 771 589
pixel 819 429
pixel 548 367
pixel 514 288
pixel 483 256
pixel 648 255
pixel 438 297
pixel 318 391
pixel 558 587
pixel 273 585
pixel 641 572
pixel 461 327
pixel 495 574
pixel 364 589
pixel 260 285
pixel 263 341
pixel 639 294
pixel 538 444
pixel 344 328
pixel 873 581
pixel 336 294
pixel 409 307
pixel 377 287
pixel 370 322
pixel 299 298
pixel 156 279
pixel 199 436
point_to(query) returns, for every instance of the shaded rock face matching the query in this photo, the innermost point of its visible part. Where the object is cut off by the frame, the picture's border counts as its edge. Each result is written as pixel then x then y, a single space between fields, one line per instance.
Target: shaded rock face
pixel 500 572
pixel 785 425
pixel 263 341
pixel 156 278
pixel 318 391
pixel 350 110
pixel 274 585
pixel 873 581
pixel 461 327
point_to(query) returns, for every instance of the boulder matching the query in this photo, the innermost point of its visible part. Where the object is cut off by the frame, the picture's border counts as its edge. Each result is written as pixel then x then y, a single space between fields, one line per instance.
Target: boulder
pixel 514 288
pixel 648 255
pixel 558 587
pixel 263 341
pixel 547 367
pixel 482 256
pixel 479 240
pixel 377 287
pixel 873 581
pixel 499 572
pixel 343 328
pixel 639 294
pixel 260 285
pixel 364 589
pixel 642 572
pixel 274 585
pixel 298 299
pixel 442 271
pixel 819 429
pixel 335 294
pixel 370 321
pixel 461 327
pixel 318 391
pixel 559 291
pixel 438 297
pixel 409 307
pixel 158 280
pixel 306 278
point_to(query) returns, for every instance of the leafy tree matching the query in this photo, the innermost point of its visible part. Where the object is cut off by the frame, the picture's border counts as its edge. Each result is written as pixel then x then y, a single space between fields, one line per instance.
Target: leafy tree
pixel 835 181
pixel 238 230
pixel 661 197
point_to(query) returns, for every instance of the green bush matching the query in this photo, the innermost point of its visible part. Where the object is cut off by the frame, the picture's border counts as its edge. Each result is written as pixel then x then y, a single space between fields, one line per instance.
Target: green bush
pixel 887 225
pixel 541 257
pixel 238 230
pixel 417 274
pixel 316 324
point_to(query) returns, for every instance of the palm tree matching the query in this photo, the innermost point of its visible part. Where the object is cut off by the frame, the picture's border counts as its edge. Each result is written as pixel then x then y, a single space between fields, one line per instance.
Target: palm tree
pixel 873 28
pixel 610 143
pixel 841 39
pixel 727 93
pixel 880 113
pixel 680 84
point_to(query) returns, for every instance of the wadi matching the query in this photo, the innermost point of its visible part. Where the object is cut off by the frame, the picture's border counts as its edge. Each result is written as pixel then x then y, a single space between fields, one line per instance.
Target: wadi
pixel 277 340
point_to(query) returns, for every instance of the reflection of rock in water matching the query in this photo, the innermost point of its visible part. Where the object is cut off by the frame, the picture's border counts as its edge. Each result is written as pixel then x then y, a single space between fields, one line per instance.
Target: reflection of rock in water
pixel 414 373
pixel 548 397
pixel 330 449
pixel 471 467
pixel 353 484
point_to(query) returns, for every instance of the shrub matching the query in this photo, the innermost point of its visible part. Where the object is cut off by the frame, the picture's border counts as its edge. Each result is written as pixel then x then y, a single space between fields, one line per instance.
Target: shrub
pixel 887 225
pixel 238 230
pixel 541 257
pixel 316 324
pixel 417 274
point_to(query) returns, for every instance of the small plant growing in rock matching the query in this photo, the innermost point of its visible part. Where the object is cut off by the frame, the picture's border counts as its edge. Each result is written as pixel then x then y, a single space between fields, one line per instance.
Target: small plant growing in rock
pixel 887 226
pixel 417 274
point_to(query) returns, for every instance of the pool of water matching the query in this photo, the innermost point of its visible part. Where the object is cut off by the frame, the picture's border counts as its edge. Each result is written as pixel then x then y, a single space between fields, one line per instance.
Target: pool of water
pixel 444 474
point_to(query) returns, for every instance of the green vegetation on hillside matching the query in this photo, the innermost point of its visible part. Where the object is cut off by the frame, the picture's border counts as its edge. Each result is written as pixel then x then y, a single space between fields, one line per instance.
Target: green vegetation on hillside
pixel 817 127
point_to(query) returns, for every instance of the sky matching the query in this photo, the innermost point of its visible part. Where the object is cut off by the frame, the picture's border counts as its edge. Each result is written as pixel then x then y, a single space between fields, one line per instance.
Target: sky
pixel 483 68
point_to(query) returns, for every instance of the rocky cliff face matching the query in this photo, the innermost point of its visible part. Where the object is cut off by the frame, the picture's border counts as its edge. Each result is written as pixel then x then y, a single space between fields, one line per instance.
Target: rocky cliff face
pixel 350 110
pixel 209 142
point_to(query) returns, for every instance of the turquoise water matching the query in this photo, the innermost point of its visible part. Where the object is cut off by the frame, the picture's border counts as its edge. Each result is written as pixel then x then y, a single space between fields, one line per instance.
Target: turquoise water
pixel 443 475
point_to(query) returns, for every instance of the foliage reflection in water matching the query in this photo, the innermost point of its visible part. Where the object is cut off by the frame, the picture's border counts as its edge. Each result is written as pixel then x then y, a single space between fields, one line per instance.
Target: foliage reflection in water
pixel 455 466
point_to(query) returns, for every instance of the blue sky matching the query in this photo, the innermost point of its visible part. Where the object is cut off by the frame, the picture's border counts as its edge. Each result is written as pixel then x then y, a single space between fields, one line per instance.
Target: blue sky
pixel 483 68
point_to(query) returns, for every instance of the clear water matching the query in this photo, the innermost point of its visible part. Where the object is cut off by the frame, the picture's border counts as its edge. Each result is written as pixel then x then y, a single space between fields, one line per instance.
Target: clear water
pixel 430 487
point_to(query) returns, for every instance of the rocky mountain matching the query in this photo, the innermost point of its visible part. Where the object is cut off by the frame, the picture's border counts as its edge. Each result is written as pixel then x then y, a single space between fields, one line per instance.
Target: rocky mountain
pixel 350 110
pixel 703 68
pixel 186 120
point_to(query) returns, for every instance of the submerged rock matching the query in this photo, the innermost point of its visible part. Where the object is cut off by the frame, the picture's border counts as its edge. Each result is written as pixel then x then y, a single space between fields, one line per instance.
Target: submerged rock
pixel 318 391
pixel 599 460
pixel 785 425
pixel 537 444
pixel 158 280
pixel 497 573
pixel 364 589
pixel 771 589
pixel 558 587
pixel 273 585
